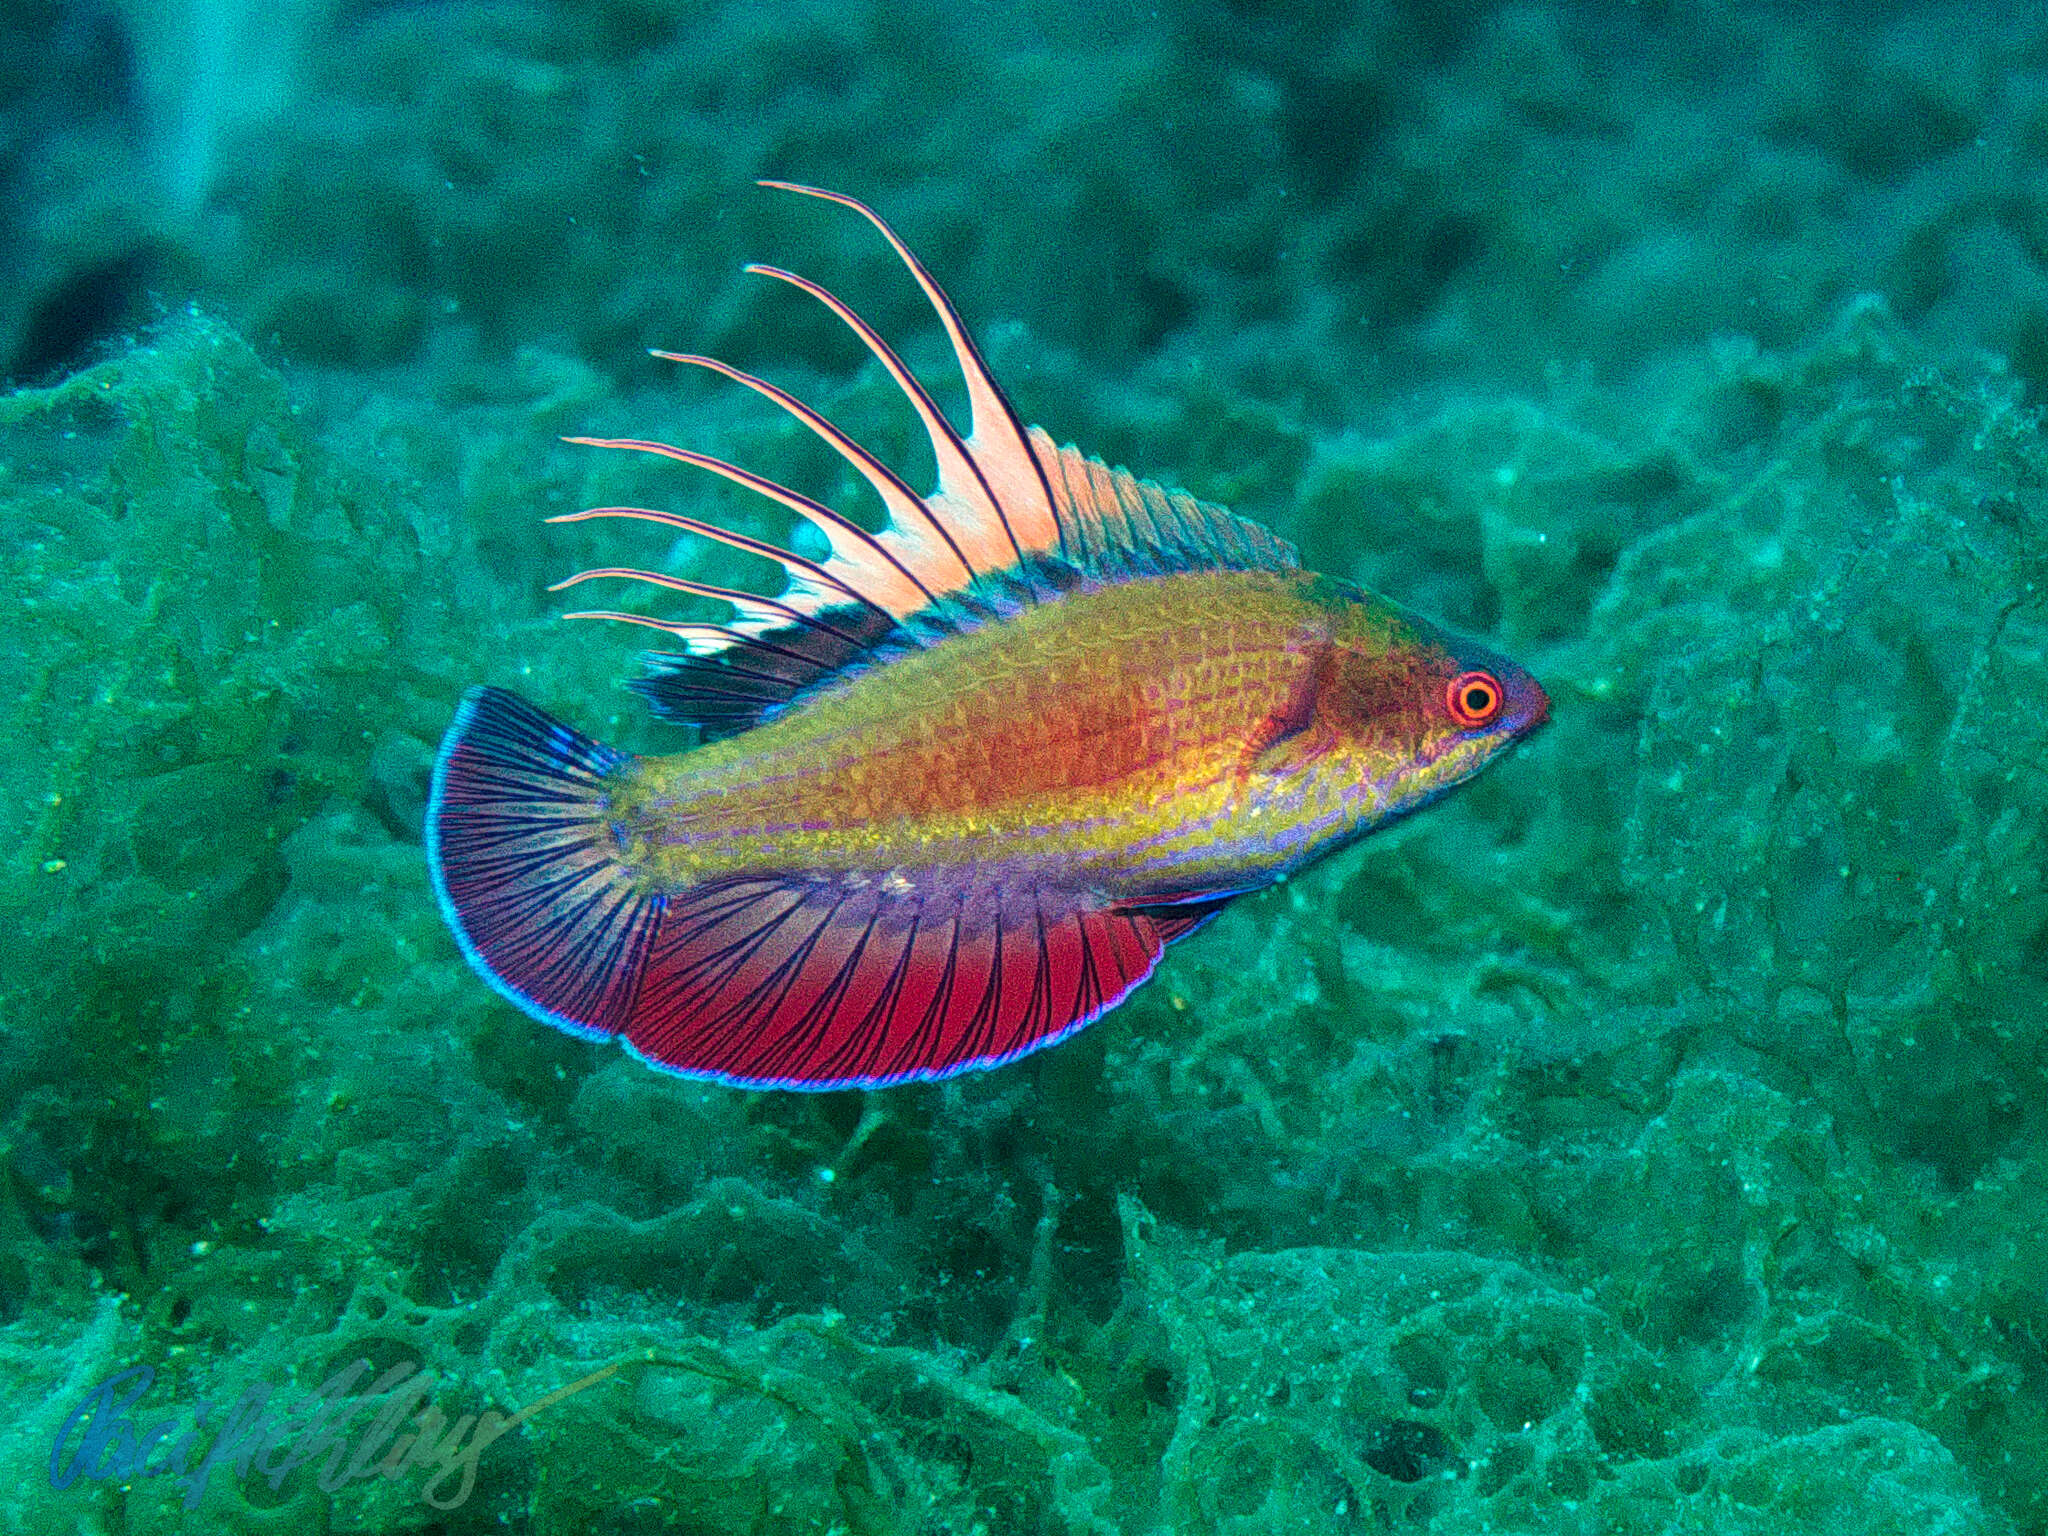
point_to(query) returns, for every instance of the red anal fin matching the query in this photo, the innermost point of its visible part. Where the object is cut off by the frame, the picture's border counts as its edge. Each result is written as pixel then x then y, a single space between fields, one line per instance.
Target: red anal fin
pixel 1175 923
pixel 792 981
pixel 855 982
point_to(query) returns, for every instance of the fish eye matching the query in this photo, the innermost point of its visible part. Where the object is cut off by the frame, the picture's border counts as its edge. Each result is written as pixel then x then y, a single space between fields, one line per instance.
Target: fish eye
pixel 1473 698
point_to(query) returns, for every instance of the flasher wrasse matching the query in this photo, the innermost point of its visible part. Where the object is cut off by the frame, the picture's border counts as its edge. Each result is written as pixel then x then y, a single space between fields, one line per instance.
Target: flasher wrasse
pixel 963 780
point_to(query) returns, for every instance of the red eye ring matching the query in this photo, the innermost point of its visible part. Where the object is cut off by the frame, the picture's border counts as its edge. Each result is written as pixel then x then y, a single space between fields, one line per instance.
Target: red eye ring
pixel 1474 698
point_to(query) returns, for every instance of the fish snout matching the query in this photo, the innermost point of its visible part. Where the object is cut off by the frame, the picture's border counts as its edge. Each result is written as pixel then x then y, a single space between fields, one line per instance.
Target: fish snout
pixel 1527 705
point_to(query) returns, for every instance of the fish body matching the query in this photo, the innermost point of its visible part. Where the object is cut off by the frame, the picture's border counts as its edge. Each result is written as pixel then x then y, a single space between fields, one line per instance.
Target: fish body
pixel 963 781
pixel 1192 733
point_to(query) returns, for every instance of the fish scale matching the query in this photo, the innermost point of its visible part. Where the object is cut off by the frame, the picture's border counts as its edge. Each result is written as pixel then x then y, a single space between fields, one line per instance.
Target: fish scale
pixel 970 726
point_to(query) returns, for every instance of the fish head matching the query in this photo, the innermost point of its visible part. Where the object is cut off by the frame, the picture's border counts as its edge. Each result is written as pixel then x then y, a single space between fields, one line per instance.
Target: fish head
pixel 1416 709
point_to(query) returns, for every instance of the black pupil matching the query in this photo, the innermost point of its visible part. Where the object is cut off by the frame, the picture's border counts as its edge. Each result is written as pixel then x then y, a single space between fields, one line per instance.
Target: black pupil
pixel 1478 699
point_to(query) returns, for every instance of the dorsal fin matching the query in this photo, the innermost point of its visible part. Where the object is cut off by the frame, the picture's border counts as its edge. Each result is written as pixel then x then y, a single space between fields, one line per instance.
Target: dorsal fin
pixel 1013 518
pixel 1114 526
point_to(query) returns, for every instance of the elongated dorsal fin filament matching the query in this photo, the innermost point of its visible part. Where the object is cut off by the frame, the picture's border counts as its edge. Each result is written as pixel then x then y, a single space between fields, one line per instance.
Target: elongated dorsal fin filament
pixel 858 557
pixel 997 440
pixel 819 579
pixel 992 511
pixel 986 537
pixel 908 513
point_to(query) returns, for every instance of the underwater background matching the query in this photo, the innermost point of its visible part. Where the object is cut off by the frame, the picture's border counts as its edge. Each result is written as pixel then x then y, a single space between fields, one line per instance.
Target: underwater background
pixel 1651 1138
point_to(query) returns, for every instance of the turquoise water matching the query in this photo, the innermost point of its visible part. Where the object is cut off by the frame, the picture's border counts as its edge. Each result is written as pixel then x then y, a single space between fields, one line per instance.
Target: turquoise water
pixel 1647 1139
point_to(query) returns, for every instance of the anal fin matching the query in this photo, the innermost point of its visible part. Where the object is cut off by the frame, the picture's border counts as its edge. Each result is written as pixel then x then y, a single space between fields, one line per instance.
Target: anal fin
pixel 848 982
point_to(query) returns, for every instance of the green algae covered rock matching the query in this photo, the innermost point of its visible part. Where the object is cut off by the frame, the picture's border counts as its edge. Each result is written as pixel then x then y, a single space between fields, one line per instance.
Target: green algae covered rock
pixel 1653 1138
pixel 1648 1140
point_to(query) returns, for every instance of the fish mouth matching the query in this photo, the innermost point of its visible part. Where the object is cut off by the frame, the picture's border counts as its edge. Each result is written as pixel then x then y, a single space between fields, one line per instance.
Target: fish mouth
pixel 1528 706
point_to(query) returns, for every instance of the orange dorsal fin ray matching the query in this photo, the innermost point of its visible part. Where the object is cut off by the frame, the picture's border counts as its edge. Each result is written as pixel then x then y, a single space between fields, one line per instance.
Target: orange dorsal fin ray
pixel 993 477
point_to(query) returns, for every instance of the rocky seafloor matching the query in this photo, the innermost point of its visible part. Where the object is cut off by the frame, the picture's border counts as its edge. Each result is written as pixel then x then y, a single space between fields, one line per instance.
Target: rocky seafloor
pixel 1650 1138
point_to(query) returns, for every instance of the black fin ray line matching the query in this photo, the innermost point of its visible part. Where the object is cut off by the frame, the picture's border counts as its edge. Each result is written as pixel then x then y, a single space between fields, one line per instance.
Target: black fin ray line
pixel 817 1017
pixel 741 601
pixel 683 629
pixel 675 663
pixel 733 640
pixel 887 1000
pixel 688 629
pixel 741 654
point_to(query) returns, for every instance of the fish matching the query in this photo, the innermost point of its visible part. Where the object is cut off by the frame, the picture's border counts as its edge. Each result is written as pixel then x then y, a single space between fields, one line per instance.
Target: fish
pixel 955 789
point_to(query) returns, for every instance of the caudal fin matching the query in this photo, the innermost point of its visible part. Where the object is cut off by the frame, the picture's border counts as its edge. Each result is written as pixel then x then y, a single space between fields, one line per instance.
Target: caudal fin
pixel 524 866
